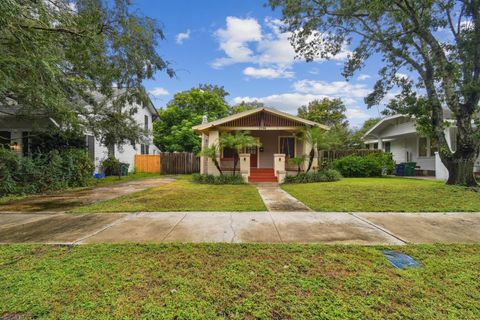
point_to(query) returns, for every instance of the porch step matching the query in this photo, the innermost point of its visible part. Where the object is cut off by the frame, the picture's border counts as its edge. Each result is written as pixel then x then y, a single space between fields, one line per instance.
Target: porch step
pixel 262 179
pixel 262 175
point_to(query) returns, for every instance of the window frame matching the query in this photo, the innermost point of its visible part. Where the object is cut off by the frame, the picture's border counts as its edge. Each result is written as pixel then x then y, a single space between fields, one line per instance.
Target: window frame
pixel 429 153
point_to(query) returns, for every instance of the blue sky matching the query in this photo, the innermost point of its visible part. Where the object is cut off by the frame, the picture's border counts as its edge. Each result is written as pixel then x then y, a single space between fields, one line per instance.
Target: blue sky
pixel 238 44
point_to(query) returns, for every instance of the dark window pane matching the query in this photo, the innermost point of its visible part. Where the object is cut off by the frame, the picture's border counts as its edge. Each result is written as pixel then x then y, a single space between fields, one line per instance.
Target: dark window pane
pixel 147 149
pixel 287 146
pixel 142 149
pixel 388 146
pixel 25 144
pixel 228 153
pixel 5 137
pixel 146 122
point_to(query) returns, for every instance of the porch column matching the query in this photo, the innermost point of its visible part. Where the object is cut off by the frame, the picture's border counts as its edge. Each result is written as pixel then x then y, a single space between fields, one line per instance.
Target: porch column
pixel 213 140
pixel 279 166
pixel 245 165
pixel 203 159
pixel 380 143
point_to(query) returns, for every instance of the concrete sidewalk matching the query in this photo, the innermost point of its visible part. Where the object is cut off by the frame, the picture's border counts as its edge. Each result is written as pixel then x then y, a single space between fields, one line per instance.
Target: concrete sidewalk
pixel 235 227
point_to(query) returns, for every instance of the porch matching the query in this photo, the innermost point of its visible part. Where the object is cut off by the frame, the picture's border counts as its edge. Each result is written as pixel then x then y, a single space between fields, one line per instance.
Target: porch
pixel 279 137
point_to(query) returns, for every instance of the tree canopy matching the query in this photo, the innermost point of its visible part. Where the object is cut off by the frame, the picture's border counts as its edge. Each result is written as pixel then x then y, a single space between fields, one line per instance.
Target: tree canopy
pixel 330 112
pixel 58 56
pixel 246 105
pixel 173 131
pixel 437 41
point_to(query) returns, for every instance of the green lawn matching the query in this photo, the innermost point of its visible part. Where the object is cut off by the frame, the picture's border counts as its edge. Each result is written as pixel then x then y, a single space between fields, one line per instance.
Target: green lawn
pixel 184 195
pixel 130 177
pixel 385 194
pixel 221 281
pixel 93 183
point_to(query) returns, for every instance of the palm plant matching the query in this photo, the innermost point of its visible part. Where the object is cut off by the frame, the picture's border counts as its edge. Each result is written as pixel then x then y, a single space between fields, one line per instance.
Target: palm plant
pixel 213 153
pixel 298 161
pixel 320 139
pixel 238 141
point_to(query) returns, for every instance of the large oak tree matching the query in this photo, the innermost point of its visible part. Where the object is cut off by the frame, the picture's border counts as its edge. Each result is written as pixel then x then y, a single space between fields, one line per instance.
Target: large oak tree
pixel 58 56
pixel 439 41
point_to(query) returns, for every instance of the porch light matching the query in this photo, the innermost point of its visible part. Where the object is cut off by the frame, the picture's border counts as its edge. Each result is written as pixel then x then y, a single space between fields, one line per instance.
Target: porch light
pixel 15 147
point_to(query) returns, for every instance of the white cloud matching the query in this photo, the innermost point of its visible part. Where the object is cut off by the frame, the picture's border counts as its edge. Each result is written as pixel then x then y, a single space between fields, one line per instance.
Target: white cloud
pixel 158 91
pixel 288 102
pixel 245 41
pixel 401 76
pixel 182 37
pixel 268 73
pixel 363 77
pixel 305 91
pixel 234 40
pixel 342 89
pixel 356 114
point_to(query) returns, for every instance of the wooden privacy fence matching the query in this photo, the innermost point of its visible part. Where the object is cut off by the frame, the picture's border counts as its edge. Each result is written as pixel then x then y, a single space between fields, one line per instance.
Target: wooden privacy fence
pixel 179 163
pixel 147 163
pixel 327 156
pixel 167 163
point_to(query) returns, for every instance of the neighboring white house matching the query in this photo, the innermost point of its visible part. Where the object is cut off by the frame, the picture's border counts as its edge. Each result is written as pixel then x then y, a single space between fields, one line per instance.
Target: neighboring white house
pixel 15 129
pixel 398 135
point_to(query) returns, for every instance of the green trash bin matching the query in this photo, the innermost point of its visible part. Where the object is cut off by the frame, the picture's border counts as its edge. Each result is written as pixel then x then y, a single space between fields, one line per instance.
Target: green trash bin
pixel 124 168
pixel 410 169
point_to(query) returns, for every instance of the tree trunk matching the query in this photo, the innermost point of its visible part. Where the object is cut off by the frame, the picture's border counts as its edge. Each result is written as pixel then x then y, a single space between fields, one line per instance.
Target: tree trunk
pixel 460 169
pixel 461 163
pixel 235 162
pixel 310 159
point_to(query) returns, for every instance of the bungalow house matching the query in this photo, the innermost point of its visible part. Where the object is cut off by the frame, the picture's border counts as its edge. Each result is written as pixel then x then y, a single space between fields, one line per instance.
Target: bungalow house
pixel 15 129
pixel 279 137
pixel 398 135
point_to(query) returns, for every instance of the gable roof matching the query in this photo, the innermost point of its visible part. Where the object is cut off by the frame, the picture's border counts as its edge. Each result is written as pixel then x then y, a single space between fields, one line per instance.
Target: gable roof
pixel 215 123
pixel 380 125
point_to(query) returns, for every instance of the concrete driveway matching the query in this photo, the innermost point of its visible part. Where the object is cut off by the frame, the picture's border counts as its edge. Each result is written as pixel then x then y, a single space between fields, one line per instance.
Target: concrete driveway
pixel 235 227
pixel 66 201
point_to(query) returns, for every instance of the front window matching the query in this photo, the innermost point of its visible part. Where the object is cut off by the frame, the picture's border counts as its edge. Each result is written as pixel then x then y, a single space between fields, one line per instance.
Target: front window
pixel 423 147
pixel 287 146
pixel 388 147
pixel 228 153
pixel 5 137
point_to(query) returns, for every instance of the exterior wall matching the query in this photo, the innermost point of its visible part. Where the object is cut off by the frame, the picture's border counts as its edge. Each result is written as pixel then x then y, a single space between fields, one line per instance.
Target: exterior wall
pixel 125 153
pixel 270 144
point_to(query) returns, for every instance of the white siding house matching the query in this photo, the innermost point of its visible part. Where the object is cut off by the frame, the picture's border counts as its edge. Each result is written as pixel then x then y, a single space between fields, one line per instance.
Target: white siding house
pixel 14 132
pixel 398 135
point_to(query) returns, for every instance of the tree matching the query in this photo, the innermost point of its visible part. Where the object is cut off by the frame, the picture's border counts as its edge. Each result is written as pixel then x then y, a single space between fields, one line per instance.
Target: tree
pixel 173 131
pixel 438 41
pixel 330 112
pixel 319 139
pixel 298 161
pixel 212 152
pixel 62 58
pixel 357 135
pixel 237 141
pixel 244 106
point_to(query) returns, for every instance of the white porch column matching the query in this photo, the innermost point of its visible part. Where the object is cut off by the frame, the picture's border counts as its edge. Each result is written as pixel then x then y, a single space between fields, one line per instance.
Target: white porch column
pixel 213 140
pixel 380 143
pixel 279 166
pixel 245 165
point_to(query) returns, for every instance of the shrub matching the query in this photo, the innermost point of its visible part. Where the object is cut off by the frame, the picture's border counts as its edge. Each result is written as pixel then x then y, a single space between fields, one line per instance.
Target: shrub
pixel 221 179
pixel 44 172
pixel 112 167
pixel 329 175
pixel 372 165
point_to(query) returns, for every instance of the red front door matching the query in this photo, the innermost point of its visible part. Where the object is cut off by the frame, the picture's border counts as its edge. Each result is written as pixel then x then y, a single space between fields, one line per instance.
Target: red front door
pixel 253 151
